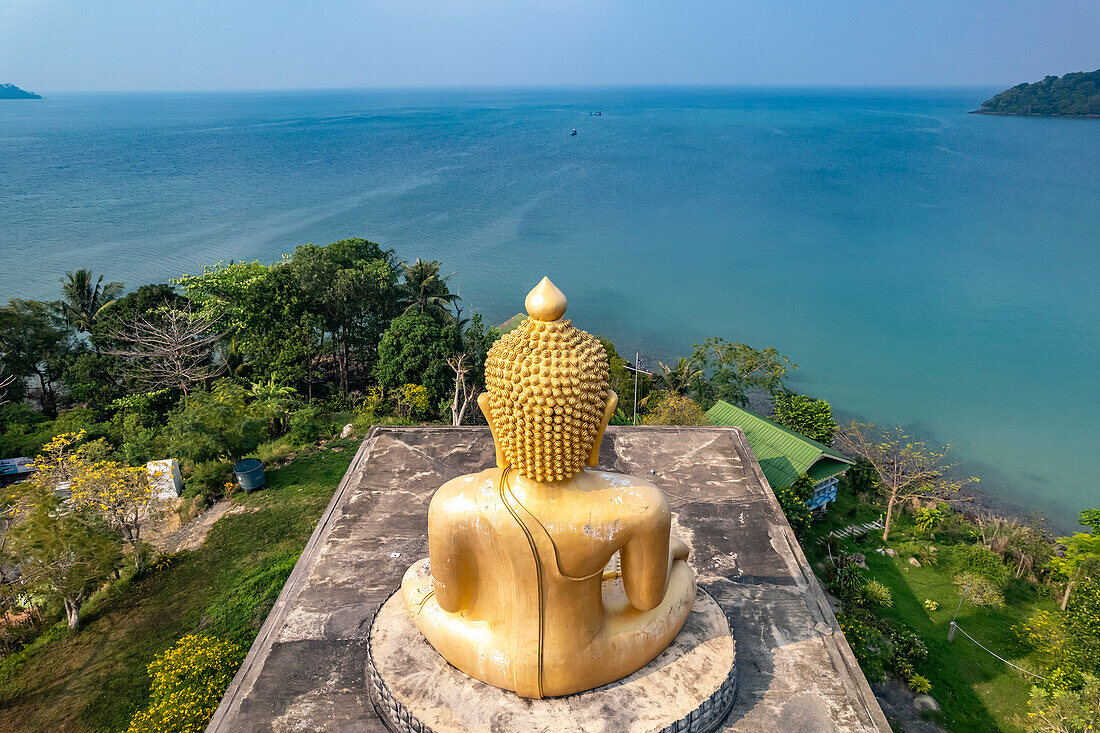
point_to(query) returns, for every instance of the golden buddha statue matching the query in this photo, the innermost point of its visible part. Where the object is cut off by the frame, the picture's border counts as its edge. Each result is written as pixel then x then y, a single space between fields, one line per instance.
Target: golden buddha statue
pixel 517 590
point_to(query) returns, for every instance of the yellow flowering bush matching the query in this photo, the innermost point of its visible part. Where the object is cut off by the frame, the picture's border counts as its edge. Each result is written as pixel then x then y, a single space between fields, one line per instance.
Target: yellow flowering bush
pixel 413 402
pixel 189 680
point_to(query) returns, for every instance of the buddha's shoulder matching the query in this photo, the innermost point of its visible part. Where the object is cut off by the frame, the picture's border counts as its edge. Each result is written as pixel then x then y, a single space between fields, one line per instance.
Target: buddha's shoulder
pixel 467 487
pixel 635 485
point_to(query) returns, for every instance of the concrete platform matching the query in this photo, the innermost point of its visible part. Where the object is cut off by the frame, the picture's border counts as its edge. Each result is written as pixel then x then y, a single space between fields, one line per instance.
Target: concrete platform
pixel 689 686
pixel 307 669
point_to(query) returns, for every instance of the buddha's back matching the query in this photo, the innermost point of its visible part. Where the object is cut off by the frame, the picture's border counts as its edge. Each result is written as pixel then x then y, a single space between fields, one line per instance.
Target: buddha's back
pixel 516 593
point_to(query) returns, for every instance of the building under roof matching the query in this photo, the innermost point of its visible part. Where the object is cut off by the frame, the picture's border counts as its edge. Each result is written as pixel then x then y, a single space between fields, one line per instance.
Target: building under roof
pixel 783 454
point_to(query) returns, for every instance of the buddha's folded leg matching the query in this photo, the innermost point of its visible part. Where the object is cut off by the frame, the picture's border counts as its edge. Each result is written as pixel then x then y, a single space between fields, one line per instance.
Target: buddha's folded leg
pixel 630 638
pixel 464 643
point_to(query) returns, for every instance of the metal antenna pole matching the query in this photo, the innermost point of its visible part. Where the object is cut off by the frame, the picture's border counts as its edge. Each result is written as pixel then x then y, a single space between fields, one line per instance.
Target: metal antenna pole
pixel 637 366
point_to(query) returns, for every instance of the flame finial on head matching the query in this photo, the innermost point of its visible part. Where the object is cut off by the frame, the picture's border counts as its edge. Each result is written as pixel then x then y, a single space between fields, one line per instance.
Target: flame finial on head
pixel 545 302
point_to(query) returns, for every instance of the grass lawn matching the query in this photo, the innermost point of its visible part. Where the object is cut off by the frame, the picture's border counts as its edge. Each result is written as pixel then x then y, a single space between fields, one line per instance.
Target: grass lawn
pixel 95 679
pixel 975 691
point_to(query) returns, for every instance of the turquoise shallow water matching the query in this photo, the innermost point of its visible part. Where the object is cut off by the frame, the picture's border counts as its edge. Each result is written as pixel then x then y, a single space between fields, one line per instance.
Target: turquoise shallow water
pixel 923 265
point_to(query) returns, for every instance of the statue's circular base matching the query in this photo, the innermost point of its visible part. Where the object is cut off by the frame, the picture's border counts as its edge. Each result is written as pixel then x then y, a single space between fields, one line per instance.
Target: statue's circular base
pixel 688 687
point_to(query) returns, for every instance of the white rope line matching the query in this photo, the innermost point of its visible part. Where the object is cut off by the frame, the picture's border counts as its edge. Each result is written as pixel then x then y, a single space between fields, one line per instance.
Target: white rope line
pixel 1010 664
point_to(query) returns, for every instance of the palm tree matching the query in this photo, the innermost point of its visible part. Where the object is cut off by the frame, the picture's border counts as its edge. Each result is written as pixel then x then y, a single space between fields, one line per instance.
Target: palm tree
pixel 84 299
pixel 677 379
pixel 426 291
pixel 275 400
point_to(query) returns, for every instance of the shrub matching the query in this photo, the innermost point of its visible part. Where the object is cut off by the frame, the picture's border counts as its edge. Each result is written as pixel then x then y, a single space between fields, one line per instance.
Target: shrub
pixel 867 644
pixel 795 509
pixel 675 409
pixel 414 402
pixel 930 605
pixel 920 684
pixel 982 591
pixel 219 424
pixel 876 593
pixel 925 553
pixel 1065 711
pixel 927 518
pixel 188 682
pixel 981 561
pixel 209 479
pixel 303 425
pixel 275 451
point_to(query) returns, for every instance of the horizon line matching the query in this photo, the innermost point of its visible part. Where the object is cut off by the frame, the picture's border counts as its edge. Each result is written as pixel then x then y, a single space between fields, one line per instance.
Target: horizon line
pixel 517 87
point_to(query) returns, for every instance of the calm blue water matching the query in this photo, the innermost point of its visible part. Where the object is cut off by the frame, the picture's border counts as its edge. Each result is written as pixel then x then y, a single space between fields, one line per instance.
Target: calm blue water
pixel 923 265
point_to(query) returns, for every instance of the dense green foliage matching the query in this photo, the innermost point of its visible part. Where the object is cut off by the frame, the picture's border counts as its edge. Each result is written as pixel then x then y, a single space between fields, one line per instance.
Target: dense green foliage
pixel 806 416
pixel 1075 94
pixel 414 350
pixel 792 500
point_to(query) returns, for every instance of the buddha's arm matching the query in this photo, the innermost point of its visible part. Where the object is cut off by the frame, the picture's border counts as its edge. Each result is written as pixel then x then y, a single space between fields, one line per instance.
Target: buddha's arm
pixel 646 561
pixel 448 560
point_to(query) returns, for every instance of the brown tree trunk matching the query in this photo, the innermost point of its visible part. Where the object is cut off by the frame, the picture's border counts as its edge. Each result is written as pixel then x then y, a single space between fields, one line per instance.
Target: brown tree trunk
pixel 72 612
pixel 1069 589
pixel 889 517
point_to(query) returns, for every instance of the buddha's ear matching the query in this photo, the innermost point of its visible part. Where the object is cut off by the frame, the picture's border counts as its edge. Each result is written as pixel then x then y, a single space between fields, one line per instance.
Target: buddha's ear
pixel 483 405
pixel 608 410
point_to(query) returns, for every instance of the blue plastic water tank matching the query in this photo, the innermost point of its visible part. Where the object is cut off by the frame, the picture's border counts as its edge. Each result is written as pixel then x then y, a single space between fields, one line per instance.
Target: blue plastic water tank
pixel 250 474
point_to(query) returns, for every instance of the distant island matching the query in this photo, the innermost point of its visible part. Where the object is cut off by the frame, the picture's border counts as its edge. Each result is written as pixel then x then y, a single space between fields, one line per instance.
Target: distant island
pixel 1073 95
pixel 10 91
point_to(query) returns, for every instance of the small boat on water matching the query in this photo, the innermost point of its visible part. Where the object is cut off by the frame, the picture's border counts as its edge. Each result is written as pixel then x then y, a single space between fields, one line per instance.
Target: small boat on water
pixel 574 132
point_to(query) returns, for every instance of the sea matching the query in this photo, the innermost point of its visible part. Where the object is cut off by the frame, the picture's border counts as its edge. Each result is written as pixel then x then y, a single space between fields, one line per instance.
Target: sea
pixel 925 267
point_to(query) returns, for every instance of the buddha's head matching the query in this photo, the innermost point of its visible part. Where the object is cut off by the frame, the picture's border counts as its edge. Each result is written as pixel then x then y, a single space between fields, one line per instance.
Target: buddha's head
pixel 548 398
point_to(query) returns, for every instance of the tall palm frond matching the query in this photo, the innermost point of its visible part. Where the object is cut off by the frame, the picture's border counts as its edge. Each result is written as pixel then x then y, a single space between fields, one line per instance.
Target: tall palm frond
pixel 84 298
pixel 426 290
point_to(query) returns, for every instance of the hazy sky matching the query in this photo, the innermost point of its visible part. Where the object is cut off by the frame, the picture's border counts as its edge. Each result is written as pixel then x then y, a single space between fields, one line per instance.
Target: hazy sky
pixel 86 45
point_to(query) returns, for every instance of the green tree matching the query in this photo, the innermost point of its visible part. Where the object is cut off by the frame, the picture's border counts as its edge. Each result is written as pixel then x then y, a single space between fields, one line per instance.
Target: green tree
pixel 84 298
pixel 730 371
pixel 264 311
pixel 414 350
pixel 217 425
pixel 426 291
pixel 806 416
pixel 351 286
pixel 905 468
pixel 1080 559
pixel 35 344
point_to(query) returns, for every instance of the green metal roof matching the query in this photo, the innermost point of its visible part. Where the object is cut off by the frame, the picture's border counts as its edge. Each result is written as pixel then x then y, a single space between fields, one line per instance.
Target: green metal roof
pixel 783 454
pixel 512 323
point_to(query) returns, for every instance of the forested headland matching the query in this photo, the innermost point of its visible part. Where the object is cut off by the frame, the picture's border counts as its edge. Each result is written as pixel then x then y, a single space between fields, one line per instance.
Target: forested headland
pixel 1072 95
pixel 10 91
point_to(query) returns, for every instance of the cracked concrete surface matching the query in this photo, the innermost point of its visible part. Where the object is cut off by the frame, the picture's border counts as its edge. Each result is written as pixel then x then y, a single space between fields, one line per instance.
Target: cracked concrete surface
pixel 306 669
